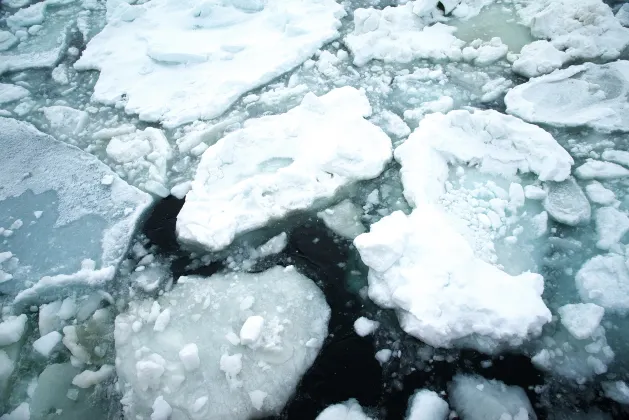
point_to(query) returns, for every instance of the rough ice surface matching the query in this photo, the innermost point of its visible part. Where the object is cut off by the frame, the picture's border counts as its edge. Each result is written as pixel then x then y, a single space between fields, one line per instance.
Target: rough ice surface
pixel 427 405
pixel 10 93
pixel 590 95
pixel 611 226
pixel 85 225
pixel 202 55
pixel 364 326
pixel 476 398
pixel 459 299
pixel 598 194
pixel 566 203
pixel 581 319
pixel 617 391
pixel 596 169
pixel 348 410
pixel 344 219
pixel 604 280
pixel 230 372
pixel 280 164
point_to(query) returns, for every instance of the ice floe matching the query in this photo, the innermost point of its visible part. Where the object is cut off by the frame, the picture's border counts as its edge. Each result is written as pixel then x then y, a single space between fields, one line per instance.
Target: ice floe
pixel 279 164
pixel 348 410
pixel 202 55
pixel 427 405
pixel 212 372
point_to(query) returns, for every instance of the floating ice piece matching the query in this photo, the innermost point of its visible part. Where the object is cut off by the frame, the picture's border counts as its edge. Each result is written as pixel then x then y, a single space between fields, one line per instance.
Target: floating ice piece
pixel 149 363
pixel 566 203
pixel 476 398
pixel 364 326
pixel 391 124
pixel 586 95
pixel 581 319
pixel 21 412
pixel 343 219
pixel 279 164
pixel 89 378
pixel 12 329
pixel 7 40
pixel 498 144
pixel 143 158
pixel 604 280
pixel 617 391
pixel 611 226
pixel 443 105
pixel 401 34
pixel 161 409
pixel 623 15
pixel 538 58
pixel 86 227
pixel 66 120
pixel 458 299
pixel 427 405
pixel 383 356
pixel 583 29
pixel 251 330
pixel 10 93
pixel 484 53
pixel 202 55
pixel 598 194
pixel 348 410
pixel 596 169
pixel 47 343
pixel 617 156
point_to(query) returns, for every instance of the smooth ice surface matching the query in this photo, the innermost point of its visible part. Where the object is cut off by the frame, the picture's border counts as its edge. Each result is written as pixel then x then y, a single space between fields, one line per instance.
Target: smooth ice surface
pixel 343 219
pixel 498 144
pixel 581 319
pixel 234 379
pixel 566 203
pixel 348 410
pixel 202 55
pixel 590 95
pixel 604 280
pixel 278 164
pixel 85 227
pixel 427 405
pixel 458 299
pixel 476 398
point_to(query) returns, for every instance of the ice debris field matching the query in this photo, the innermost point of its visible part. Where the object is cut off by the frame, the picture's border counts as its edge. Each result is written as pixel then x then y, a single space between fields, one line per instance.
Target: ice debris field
pixel 314 209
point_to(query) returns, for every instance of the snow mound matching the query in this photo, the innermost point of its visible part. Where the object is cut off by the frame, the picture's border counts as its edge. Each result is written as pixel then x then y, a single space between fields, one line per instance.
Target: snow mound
pixel 60 216
pixel 566 203
pixel 604 280
pixel 476 398
pixel 498 144
pixel 165 358
pixel 278 164
pixel 457 299
pixel 349 410
pixel 589 94
pixel 582 29
pixel 427 405
pixel 202 55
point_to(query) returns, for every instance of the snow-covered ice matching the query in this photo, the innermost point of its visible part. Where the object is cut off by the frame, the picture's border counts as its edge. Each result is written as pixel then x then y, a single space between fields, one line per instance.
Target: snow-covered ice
pixel 427 405
pixel 202 55
pixel 604 280
pixel 476 398
pixel 611 226
pixel 279 164
pixel 343 219
pixel 459 299
pixel 581 319
pixel 365 326
pixel 598 194
pixel 585 95
pixel 348 410
pixel 10 93
pixel 597 169
pixel 85 228
pixel 566 203
pixel 200 371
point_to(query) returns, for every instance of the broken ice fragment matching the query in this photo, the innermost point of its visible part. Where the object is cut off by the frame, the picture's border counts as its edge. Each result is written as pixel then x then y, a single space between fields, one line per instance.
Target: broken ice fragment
pixel 364 326
pixel 581 319
pixel 251 330
pixel 566 203
pixel 427 405
pixel 348 410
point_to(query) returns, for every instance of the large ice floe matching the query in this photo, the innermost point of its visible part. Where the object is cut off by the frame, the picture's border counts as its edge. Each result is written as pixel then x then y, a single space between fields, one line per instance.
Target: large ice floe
pixel 226 347
pixel 202 55
pixel 55 194
pixel 436 265
pixel 590 95
pixel 280 164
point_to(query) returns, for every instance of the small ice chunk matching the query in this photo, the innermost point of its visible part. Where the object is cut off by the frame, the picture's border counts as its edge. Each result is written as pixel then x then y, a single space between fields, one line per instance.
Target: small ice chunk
pixel 364 326
pixel 162 321
pixel 392 124
pixel 47 343
pixel 251 330
pixel 566 203
pixel 617 391
pixel 533 192
pixel 273 246
pixel 516 195
pixel 257 398
pixel 623 15
pixel 617 156
pixel 344 219
pixel 21 412
pixel 349 410
pixel 161 409
pixel 10 93
pixel 581 319
pixel 66 120
pixel 596 169
pixel 476 398
pixel 427 405
pixel 12 329
pixel 180 190
pixel 89 378
pixel 598 194
pixel 6 369
pixel 383 356
pixel 443 105
pixel 231 365
pixel 7 40
pixel 538 58
pixel 189 356
pixel 611 226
